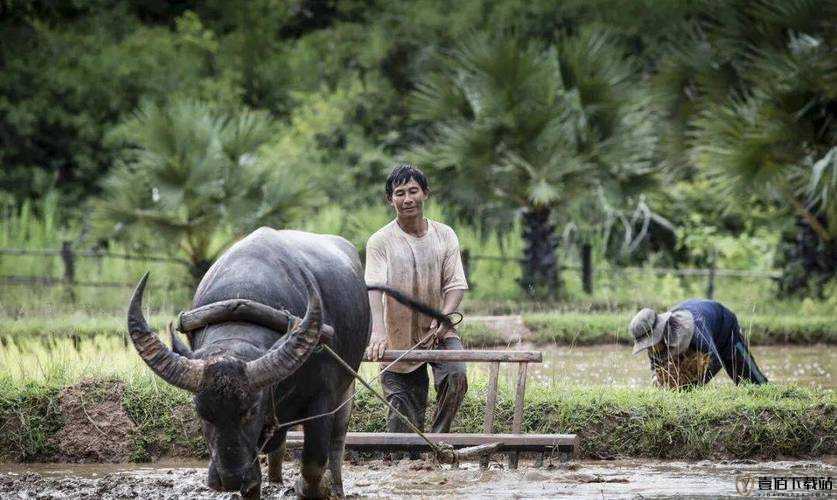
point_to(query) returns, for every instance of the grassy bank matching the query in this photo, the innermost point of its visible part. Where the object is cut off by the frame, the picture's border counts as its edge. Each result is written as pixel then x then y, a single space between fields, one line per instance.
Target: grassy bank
pixel 574 328
pixel 570 328
pixel 141 420
pixel 589 329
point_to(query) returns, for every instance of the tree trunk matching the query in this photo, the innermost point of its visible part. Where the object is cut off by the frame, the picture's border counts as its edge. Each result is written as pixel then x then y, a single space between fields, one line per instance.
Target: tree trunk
pixel 198 269
pixel 539 273
pixel 807 261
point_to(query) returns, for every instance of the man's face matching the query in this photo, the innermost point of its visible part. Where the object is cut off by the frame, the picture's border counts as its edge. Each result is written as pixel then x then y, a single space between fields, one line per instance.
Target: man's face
pixel 407 199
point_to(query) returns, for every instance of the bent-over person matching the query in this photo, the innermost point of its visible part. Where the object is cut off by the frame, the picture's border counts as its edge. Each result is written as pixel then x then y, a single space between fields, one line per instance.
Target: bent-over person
pixel 689 345
pixel 419 257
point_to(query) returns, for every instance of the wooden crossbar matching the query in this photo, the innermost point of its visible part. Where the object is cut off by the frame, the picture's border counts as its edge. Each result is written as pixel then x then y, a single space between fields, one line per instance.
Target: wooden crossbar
pixel 405 441
pixel 463 355
pixel 512 443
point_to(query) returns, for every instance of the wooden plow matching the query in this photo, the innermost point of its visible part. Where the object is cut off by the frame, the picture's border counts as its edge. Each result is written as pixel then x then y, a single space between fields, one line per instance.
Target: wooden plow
pixel 483 444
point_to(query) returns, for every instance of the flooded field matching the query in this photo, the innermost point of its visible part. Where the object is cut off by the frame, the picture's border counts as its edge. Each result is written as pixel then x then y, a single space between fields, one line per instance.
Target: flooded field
pixel 810 366
pixel 412 479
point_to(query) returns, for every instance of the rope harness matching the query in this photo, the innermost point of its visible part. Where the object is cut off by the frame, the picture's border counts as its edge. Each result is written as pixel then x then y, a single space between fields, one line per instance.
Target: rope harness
pixel 442 452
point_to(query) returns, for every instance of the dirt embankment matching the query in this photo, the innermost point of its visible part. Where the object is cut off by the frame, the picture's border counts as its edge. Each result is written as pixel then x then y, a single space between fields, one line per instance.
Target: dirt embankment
pixel 114 421
pixel 92 422
pixel 96 426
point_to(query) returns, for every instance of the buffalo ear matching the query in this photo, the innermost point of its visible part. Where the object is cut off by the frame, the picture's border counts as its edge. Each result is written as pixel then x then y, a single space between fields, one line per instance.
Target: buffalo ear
pixel 177 345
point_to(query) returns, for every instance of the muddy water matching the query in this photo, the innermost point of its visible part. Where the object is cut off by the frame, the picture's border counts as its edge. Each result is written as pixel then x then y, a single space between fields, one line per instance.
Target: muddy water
pixel 812 366
pixel 406 479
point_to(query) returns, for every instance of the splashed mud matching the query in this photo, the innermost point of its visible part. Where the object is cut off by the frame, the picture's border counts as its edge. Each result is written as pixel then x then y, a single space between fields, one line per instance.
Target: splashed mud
pixel 411 479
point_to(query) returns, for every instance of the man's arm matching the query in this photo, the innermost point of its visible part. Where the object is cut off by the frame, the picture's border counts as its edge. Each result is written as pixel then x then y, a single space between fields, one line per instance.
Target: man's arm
pixel 376 273
pixel 452 300
pixel 454 283
pixel 378 342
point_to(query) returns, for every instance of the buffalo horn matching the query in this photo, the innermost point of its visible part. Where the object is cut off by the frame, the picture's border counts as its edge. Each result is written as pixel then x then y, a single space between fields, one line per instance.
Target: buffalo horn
pixel 291 351
pixel 234 310
pixel 173 368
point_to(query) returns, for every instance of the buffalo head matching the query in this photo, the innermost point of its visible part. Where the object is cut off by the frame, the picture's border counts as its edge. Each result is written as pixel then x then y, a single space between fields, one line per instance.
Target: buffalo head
pixel 229 392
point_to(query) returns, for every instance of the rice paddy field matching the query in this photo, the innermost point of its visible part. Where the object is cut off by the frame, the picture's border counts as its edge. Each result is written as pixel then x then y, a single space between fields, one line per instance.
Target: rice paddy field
pixel 73 390
pixel 600 392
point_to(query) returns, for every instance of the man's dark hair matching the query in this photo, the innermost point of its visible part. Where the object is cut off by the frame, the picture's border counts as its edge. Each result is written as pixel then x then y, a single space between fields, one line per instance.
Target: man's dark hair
pixel 401 174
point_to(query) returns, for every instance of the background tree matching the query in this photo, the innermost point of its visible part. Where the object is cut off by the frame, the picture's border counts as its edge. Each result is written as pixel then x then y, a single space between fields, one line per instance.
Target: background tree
pixel 196 179
pixel 517 127
pixel 757 90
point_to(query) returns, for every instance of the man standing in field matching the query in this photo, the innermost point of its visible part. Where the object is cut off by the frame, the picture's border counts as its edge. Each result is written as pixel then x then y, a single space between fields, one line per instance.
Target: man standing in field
pixel 419 257
pixel 688 345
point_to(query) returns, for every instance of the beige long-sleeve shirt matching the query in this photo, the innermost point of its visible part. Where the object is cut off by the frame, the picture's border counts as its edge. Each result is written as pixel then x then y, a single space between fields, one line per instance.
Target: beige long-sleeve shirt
pixel 425 268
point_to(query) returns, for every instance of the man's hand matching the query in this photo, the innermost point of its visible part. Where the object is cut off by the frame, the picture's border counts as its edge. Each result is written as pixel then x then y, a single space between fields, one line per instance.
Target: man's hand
pixel 439 329
pixel 377 345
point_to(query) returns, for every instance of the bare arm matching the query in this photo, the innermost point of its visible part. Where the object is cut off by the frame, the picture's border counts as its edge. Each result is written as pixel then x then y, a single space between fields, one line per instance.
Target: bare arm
pixel 451 302
pixel 378 342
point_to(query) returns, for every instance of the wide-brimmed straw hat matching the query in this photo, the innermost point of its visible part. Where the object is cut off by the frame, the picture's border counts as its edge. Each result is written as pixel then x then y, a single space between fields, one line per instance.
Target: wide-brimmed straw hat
pixel 649 328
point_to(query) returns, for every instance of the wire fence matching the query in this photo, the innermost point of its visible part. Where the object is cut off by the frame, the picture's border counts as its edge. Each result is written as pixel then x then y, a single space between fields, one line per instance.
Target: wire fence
pixel 485 273
pixel 588 275
pixel 69 258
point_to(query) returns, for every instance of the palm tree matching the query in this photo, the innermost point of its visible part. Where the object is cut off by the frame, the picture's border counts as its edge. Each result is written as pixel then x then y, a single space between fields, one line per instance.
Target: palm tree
pixel 517 128
pixel 196 178
pixel 759 86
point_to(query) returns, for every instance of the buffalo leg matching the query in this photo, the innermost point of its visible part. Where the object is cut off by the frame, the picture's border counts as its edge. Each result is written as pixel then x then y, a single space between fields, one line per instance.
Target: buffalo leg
pixel 314 457
pixel 274 457
pixel 338 444
pixel 274 464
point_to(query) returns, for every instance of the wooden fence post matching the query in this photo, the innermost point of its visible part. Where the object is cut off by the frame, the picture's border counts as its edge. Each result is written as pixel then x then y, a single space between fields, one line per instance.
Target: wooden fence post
pixel 587 267
pixel 710 285
pixel 68 258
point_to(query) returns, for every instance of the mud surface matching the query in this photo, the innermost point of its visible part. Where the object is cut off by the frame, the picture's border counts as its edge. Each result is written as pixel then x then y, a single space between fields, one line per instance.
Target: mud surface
pixel 410 479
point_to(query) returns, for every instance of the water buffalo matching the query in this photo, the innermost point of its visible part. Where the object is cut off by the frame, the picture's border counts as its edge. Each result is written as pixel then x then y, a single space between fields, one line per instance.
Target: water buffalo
pixel 246 376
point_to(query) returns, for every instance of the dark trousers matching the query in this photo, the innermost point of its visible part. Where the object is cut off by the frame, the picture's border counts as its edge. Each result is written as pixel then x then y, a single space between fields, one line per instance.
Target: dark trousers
pixel 408 392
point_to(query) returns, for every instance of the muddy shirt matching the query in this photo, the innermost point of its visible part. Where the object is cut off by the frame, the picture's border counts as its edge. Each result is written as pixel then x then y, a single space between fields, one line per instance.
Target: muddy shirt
pixel 425 268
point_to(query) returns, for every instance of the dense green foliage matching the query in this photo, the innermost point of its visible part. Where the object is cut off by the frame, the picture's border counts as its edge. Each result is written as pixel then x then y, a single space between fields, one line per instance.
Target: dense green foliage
pixel 661 132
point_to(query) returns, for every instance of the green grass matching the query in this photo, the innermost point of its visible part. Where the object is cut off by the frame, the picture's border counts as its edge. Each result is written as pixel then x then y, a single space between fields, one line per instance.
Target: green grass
pixel 713 422
pixel 570 328
pixel 586 329
pixel 79 325
pixel 575 328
